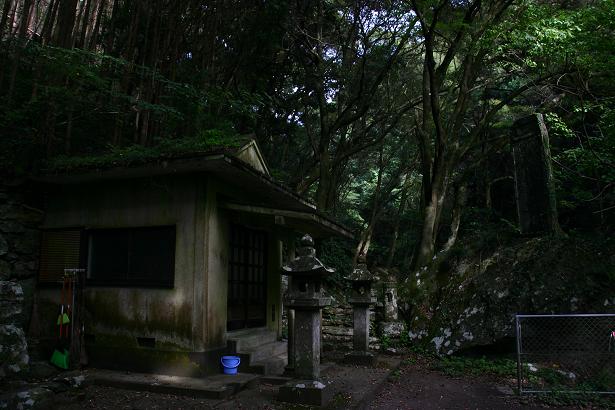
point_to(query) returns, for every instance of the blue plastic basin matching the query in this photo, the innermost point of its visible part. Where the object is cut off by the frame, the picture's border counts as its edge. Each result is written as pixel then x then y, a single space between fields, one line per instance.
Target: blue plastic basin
pixel 230 364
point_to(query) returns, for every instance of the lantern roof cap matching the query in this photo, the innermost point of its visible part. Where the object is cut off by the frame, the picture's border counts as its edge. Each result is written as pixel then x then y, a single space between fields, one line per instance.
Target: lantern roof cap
pixel 306 263
pixel 360 273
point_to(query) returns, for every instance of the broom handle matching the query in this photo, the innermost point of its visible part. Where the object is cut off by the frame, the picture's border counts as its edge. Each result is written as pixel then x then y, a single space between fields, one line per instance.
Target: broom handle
pixel 72 306
pixel 62 305
pixel 68 305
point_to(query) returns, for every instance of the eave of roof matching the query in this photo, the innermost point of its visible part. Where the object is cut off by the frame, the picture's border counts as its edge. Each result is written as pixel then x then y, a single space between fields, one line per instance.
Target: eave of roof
pixel 298 218
pixel 266 192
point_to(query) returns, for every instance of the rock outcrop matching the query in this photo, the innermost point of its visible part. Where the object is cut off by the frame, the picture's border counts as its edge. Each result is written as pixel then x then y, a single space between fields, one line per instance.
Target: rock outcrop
pixel 481 290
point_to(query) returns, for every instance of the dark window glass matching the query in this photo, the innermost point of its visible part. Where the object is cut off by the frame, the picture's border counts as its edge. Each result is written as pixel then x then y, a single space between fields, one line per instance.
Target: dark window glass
pixel 132 256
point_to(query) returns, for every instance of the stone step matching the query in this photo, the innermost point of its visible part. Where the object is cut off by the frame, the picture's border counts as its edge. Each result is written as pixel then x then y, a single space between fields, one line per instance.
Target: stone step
pixel 273 366
pixel 212 387
pixel 266 351
pixel 244 341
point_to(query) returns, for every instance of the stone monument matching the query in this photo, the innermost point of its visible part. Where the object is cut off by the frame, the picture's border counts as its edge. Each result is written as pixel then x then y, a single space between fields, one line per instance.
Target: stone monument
pixel 306 297
pixel 391 326
pixel 361 299
pixel 534 186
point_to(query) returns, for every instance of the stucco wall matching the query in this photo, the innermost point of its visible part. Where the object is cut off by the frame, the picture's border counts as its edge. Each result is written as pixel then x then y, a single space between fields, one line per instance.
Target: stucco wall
pixel 117 315
pixel 274 283
pixel 216 257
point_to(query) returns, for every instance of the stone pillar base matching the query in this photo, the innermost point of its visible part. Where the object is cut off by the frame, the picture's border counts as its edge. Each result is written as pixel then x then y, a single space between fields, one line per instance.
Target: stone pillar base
pixel 361 358
pixel 307 392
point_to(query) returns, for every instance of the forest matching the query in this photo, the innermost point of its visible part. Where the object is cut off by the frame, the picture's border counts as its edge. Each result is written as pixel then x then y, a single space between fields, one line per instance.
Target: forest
pixel 392 116
pixel 431 130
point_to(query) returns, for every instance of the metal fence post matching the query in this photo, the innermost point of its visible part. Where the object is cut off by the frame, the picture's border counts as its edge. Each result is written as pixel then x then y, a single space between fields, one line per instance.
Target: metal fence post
pixel 518 336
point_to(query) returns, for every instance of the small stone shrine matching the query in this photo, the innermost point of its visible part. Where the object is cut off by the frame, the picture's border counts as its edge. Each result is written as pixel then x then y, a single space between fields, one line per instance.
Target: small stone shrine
pixel 307 297
pixel 361 299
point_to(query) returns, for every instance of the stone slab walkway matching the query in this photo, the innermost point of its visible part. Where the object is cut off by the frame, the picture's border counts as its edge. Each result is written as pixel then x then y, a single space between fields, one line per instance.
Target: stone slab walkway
pixel 212 387
pixel 352 386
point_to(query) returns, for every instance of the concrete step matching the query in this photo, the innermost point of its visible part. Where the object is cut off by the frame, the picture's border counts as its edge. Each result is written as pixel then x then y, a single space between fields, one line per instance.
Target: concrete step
pixel 247 340
pixel 267 350
pixel 273 366
pixel 212 387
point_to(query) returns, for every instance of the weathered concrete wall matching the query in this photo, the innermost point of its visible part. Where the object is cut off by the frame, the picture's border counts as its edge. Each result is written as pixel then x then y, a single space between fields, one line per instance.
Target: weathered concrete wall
pixel 274 284
pixel 216 280
pixel 115 316
pixel 19 249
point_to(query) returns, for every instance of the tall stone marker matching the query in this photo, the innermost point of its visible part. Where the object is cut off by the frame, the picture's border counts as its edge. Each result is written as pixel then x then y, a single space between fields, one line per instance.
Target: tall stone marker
pixel 391 326
pixel 361 299
pixel 307 297
pixel 534 189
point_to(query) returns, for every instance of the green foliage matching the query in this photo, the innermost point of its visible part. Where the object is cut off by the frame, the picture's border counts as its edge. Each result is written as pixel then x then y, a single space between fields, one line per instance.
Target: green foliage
pixel 584 157
pixel 396 375
pixel 578 400
pixel 404 338
pixel 558 385
pixel 460 366
pixel 136 154
pixel 337 254
pixel 76 102
pixel 385 341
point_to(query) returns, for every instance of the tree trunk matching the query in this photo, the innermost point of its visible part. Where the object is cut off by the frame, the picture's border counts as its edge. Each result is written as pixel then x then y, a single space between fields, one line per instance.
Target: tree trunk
pixel 402 207
pixel 66 23
pixel 366 236
pixel 93 38
pixel 69 131
pixel 431 215
pixel 85 22
pixel 11 26
pixel 23 26
pixel 5 16
pixel 460 199
pixel 50 18
pixel 324 183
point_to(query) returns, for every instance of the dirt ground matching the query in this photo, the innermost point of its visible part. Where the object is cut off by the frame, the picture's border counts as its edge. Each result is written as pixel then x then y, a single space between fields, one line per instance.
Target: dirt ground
pixel 417 388
pixel 409 386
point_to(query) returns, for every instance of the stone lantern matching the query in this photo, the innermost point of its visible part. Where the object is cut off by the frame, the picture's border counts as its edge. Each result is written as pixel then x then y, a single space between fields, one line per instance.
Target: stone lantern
pixel 307 297
pixel 361 280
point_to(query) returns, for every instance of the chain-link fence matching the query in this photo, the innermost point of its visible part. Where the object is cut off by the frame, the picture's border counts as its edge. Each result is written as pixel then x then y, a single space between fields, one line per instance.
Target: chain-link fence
pixel 572 353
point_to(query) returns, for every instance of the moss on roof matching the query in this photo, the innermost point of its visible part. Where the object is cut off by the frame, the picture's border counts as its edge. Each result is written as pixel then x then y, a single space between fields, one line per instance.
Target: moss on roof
pixel 208 142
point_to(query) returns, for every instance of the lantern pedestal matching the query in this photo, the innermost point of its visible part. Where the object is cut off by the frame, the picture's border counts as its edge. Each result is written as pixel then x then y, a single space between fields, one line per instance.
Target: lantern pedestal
pixel 306 297
pixel 361 300
pixel 307 392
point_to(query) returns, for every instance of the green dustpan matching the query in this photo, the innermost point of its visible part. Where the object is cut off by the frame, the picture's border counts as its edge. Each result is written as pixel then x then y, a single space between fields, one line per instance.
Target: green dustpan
pixel 60 359
pixel 63 319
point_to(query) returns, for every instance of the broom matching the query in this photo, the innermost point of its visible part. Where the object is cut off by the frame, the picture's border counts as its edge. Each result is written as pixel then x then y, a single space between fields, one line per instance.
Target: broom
pixel 60 355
